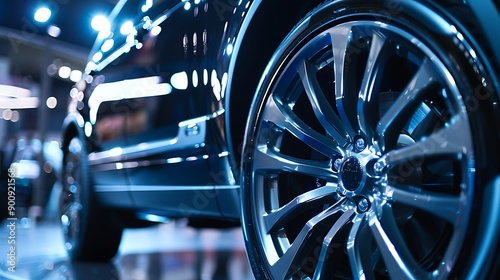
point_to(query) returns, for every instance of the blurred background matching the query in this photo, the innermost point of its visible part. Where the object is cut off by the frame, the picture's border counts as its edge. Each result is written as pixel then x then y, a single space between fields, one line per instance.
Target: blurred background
pixel 44 46
pixel 43 49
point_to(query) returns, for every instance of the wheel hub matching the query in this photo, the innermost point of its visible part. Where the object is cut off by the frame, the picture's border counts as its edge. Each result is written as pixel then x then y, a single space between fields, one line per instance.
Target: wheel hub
pixel 354 176
pixel 351 174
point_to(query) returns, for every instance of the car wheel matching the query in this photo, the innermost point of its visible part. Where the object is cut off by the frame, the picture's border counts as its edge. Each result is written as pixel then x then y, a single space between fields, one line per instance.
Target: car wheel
pixel 369 149
pixel 90 233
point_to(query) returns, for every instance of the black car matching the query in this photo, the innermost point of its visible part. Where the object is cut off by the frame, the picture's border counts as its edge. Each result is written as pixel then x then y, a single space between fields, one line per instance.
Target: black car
pixel 351 139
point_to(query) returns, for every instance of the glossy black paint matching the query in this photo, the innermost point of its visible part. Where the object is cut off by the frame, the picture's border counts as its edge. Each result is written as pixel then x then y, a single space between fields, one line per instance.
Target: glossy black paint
pixel 189 58
pixel 166 131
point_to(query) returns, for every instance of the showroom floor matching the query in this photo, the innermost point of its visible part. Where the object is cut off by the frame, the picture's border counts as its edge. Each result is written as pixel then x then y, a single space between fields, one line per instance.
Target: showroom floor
pixel 169 251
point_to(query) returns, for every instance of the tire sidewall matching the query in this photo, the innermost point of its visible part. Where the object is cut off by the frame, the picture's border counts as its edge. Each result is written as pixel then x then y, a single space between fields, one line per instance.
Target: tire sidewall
pixel 85 195
pixel 99 234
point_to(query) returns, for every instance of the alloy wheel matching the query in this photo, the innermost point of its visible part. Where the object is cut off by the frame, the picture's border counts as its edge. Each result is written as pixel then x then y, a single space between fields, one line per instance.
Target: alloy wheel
pixel 360 163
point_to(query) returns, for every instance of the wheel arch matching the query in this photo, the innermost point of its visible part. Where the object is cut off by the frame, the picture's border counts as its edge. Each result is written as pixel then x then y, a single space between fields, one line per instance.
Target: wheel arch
pixel 253 49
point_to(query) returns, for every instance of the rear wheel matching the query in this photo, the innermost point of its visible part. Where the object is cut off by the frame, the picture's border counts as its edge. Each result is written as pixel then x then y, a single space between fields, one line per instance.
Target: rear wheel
pixel 89 231
pixel 364 156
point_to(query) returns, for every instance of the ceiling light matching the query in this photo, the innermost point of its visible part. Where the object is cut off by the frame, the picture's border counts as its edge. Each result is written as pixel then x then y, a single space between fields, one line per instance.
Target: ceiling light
pixel 97 56
pixel 155 31
pixel 126 27
pixel 42 14
pixel 15 116
pixel 147 6
pixel 7 114
pixel 52 69
pixel 64 72
pixel 75 76
pixel 91 66
pixel 100 23
pixel 51 102
pixel 54 31
pixel 107 45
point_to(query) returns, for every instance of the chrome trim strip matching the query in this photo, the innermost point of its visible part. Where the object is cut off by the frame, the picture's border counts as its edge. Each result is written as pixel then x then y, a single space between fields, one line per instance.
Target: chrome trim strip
pixel 227 187
pixel 111 188
pixel 202 118
pixel 154 162
pixel 181 141
pixel 121 188
pixel 170 188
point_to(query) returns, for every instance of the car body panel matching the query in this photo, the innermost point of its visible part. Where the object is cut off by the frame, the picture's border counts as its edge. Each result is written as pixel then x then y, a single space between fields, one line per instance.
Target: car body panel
pixel 152 108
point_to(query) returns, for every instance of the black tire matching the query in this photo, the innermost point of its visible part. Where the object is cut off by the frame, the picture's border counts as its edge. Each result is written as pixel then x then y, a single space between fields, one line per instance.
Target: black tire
pixel 90 232
pixel 388 172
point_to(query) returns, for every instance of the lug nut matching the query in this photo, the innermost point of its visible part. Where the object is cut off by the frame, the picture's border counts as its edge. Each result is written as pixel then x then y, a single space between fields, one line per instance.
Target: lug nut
pixel 378 167
pixel 363 205
pixel 337 164
pixel 360 144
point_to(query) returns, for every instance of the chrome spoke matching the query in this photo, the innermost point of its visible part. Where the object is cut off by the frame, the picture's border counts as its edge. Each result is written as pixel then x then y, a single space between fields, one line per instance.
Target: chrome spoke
pixel 401 110
pixel 345 101
pixel 367 105
pixel 291 259
pixel 398 260
pixel 326 248
pixel 444 206
pixel 276 219
pixel 446 142
pixel 285 118
pixel 320 105
pixel 359 249
pixel 266 159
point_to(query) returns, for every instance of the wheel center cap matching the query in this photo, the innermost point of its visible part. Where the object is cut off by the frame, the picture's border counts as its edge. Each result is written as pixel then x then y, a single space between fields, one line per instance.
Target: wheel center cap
pixel 351 174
